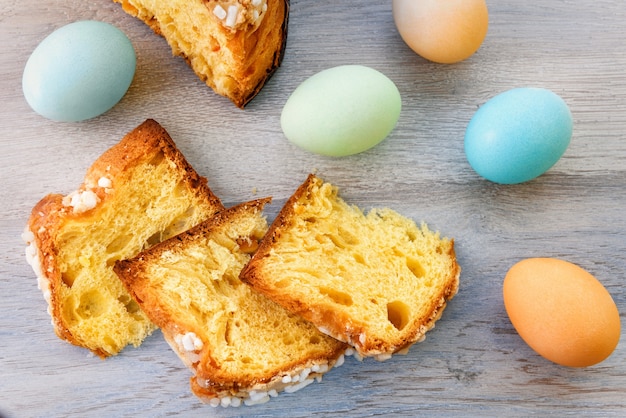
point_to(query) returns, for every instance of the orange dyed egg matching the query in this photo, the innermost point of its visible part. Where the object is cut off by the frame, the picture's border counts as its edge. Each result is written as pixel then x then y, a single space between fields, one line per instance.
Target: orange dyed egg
pixel 443 31
pixel 561 311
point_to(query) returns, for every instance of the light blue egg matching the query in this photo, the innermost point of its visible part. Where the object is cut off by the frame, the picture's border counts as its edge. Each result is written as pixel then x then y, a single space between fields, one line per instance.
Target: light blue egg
pixel 341 111
pixel 79 71
pixel 518 135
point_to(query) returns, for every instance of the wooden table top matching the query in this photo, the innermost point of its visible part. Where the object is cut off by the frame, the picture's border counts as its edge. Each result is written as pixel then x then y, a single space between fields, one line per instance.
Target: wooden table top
pixel 473 363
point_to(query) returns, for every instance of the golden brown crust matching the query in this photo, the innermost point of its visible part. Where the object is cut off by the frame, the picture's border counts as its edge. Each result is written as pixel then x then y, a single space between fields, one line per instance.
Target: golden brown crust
pixel 52 213
pixel 255 51
pixel 45 220
pixel 209 391
pixel 332 321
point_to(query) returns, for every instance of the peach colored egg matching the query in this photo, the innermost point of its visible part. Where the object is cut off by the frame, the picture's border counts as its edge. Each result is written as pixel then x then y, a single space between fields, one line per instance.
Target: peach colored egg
pixel 442 31
pixel 561 311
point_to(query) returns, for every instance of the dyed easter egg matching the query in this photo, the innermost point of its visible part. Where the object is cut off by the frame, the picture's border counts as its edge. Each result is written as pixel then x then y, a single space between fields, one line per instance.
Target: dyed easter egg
pixel 341 111
pixel 518 135
pixel 79 71
pixel 561 311
pixel 442 31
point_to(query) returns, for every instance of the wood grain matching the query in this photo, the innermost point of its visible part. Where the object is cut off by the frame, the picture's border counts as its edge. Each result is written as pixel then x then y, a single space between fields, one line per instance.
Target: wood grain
pixel 473 363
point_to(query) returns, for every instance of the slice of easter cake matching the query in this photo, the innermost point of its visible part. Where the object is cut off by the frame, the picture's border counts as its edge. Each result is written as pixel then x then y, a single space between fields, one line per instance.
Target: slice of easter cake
pixel 376 281
pixel 232 45
pixel 241 346
pixel 139 192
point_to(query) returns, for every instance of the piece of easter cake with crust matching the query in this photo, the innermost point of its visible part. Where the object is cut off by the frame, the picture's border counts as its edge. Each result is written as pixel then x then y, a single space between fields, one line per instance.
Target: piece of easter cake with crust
pixel 234 46
pixel 241 347
pixel 376 281
pixel 136 194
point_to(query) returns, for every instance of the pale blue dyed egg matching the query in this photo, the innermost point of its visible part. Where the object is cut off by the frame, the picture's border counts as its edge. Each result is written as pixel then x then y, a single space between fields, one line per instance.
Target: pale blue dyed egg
pixel 79 71
pixel 518 135
pixel 341 111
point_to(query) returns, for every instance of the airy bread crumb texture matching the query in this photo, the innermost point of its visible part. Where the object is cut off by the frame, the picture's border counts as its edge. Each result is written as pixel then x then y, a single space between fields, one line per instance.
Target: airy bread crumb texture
pixel 241 346
pixel 138 193
pixel 376 281
pixel 232 45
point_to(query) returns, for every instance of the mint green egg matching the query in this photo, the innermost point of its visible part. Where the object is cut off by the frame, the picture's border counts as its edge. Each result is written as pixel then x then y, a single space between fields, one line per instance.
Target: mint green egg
pixel 341 111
